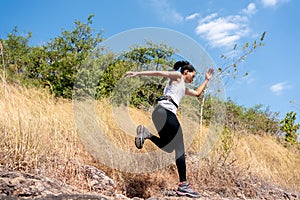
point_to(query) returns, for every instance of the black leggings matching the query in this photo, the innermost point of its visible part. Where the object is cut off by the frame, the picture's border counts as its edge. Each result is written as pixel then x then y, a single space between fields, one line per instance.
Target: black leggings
pixel 171 138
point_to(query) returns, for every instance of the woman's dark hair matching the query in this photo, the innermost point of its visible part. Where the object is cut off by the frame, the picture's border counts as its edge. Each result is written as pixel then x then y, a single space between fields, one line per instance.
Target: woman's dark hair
pixel 183 65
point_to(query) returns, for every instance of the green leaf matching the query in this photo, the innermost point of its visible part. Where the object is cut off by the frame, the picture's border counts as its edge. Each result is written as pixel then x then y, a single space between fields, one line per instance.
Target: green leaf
pixel 262 36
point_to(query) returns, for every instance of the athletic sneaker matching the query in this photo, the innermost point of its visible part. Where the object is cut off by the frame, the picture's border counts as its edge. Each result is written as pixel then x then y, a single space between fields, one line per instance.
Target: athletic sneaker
pixel 142 134
pixel 185 189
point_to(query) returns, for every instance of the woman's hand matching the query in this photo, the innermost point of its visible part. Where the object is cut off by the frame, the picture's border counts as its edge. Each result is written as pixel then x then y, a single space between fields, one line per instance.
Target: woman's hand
pixel 209 73
pixel 130 74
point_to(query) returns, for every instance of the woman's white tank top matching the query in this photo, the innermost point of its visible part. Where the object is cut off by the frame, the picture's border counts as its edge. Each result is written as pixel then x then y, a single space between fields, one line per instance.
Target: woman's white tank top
pixel 176 91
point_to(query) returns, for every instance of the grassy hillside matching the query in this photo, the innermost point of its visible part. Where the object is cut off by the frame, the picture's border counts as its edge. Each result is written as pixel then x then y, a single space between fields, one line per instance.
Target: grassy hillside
pixel 38 135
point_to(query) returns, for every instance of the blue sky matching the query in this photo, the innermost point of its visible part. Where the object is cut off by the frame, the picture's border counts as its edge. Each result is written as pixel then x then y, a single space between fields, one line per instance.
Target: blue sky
pixel 274 69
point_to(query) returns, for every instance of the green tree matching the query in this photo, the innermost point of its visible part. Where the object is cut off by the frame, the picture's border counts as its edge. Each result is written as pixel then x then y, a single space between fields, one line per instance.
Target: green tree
pixel 143 91
pixel 15 55
pixel 289 127
pixel 66 54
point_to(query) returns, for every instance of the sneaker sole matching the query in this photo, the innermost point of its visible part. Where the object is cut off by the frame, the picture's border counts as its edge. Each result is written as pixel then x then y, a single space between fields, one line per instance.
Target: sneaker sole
pixel 139 137
pixel 187 194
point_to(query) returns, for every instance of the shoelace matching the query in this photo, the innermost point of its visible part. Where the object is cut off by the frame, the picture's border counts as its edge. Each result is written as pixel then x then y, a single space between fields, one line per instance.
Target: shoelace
pixel 187 184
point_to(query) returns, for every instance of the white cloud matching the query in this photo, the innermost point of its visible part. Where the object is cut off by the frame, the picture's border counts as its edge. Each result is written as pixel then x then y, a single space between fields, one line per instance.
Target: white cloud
pixel 278 88
pixel 208 18
pixel 192 16
pixel 272 3
pixel 222 31
pixel 250 10
pixel 269 2
pixel 166 12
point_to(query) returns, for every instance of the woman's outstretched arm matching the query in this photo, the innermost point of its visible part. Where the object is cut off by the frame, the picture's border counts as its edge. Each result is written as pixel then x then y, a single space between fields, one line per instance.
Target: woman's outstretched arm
pixel 168 74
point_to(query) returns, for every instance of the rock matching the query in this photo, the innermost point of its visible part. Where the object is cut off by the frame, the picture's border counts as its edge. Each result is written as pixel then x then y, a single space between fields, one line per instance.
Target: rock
pixel 18 185
pixel 99 182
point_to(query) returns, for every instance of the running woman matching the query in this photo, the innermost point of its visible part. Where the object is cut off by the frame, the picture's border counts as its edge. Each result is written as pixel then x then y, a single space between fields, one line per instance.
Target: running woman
pixel 165 119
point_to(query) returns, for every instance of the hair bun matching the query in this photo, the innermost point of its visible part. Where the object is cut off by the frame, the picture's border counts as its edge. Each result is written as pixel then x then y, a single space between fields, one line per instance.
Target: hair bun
pixel 180 64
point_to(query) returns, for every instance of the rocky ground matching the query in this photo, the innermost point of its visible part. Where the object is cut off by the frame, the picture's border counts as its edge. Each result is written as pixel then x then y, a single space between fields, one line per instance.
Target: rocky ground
pixel 17 185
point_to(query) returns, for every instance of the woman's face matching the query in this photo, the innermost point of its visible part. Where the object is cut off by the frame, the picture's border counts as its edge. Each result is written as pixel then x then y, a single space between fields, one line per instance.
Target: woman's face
pixel 189 76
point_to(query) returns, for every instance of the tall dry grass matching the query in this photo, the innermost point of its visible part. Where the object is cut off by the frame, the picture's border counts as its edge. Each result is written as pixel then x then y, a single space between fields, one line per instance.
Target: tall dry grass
pixel 265 156
pixel 240 154
pixel 38 135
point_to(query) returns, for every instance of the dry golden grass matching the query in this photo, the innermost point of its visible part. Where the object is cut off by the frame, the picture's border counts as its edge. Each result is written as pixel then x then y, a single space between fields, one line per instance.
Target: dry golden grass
pixel 263 155
pixel 38 134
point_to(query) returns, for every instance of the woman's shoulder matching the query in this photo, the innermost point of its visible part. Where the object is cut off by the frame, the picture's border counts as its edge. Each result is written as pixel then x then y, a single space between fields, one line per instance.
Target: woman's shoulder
pixel 178 78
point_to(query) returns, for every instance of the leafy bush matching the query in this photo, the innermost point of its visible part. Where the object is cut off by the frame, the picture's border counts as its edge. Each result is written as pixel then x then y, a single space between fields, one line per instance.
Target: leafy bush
pixel 255 120
pixel 55 64
pixel 142 92
pixel 288 126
